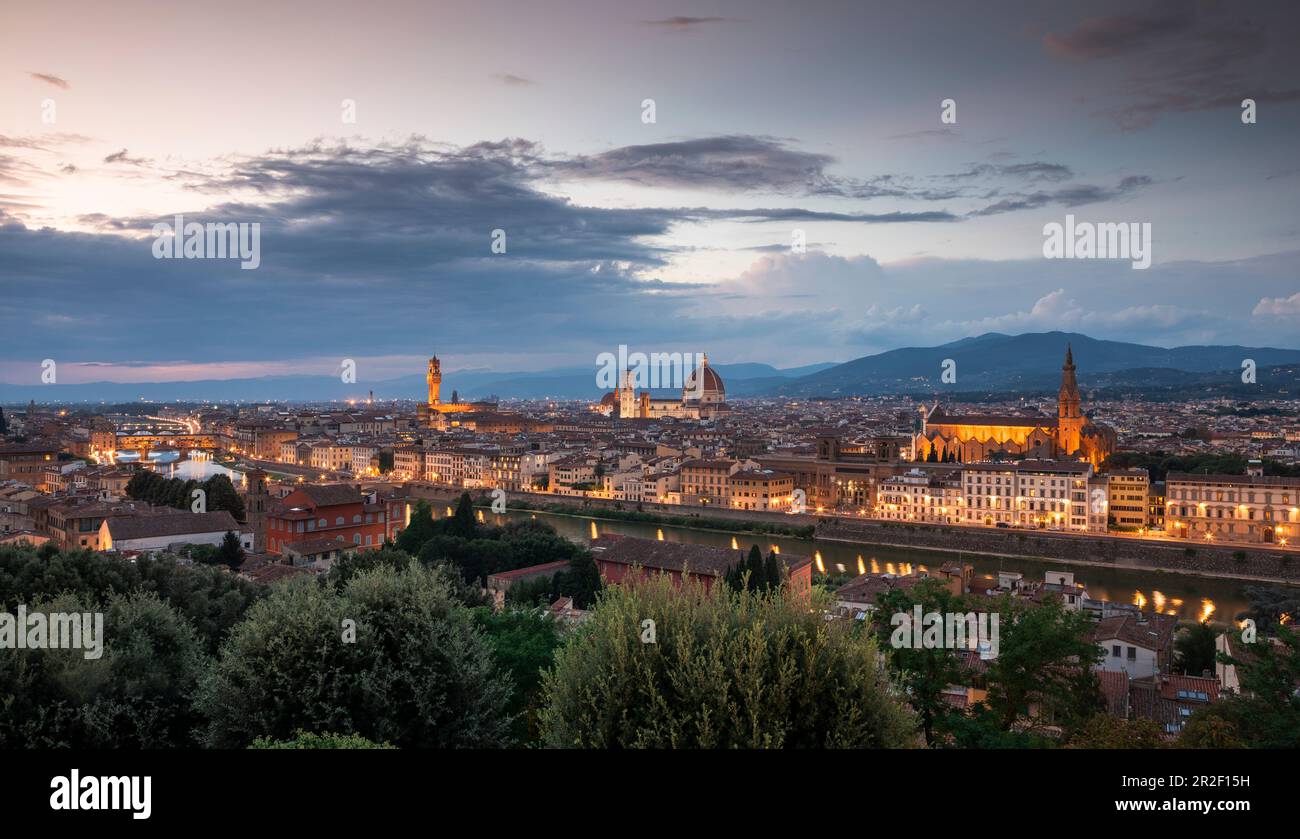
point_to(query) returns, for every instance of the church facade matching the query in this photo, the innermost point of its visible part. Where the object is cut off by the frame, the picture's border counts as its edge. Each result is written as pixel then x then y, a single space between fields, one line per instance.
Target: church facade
pixel 970 438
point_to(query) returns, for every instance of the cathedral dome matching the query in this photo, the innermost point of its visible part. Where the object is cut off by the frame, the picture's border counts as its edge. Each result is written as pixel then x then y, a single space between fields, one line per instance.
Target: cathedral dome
pixel 704 385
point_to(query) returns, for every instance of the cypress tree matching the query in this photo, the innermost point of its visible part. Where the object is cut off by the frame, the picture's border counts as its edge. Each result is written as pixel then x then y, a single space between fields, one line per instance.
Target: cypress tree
pixel 773 571
pixel 462 523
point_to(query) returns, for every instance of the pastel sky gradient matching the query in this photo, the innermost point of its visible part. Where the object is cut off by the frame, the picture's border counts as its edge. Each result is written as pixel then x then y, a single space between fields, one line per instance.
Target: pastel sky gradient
pixel 821 116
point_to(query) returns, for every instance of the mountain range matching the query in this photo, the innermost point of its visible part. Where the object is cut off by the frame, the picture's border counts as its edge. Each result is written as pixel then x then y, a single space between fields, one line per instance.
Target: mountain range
pixel 993 362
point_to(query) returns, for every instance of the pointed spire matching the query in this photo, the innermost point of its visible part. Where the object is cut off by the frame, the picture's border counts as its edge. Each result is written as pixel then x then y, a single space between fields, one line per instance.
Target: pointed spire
pixel 1069 355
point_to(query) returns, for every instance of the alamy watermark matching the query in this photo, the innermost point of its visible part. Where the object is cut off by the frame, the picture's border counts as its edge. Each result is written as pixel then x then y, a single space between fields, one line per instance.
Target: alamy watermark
pixel 1106 240
pixel 650 371
pixel 53 630
pixel 213 240
pixel 920 630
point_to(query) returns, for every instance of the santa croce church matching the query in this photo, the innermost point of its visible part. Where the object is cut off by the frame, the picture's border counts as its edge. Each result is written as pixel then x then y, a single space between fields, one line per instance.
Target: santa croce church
pixel 970 438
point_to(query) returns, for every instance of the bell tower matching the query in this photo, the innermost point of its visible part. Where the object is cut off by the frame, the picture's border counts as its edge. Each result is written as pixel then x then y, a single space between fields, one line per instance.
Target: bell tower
pixel 1069 416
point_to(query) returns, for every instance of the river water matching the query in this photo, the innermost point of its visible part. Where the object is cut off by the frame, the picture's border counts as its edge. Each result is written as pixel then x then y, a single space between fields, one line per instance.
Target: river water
pixel 1187 597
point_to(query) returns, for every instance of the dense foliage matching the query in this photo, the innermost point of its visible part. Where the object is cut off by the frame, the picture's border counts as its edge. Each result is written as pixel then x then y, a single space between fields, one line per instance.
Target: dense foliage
pixel 176 492
pixel 415 670
pixel 718 670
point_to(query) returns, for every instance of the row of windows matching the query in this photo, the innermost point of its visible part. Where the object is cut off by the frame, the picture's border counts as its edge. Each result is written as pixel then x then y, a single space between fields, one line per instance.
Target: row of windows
pixel 1230 495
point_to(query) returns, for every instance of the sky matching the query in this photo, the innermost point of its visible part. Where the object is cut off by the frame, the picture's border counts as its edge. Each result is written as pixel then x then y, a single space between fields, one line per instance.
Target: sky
pixel 379 146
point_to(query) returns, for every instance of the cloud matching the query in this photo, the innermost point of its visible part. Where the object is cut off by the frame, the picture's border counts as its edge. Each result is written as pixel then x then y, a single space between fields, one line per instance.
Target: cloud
pixel 1070 196
pixel 122 157
pixel 686 24
pixel 1181 57
pixel 1278 306
pixel 1107 36
pixel 512 80
pixel 52 80
pixel 729 163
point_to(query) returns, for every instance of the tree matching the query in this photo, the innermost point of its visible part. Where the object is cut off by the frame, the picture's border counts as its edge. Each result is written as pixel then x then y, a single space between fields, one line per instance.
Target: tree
pixel 923 673
pixel 462 522
pixel 1195 650
pixel 772 571
pixel 419 530
pixel 523 645
pixel 1209 730
pixel 1266 712
pixel 724 669
pixel 1043 674
pixel 1106 731
pixel 211 600
pixel 231 553
pixel 136 694
pixel 307 740
pixel 4 426
pixel 415 671
pixel 221 496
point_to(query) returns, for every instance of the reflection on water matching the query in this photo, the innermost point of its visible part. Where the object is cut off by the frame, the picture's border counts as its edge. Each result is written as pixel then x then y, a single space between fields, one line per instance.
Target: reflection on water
pixel 201 470
pixel 1186 597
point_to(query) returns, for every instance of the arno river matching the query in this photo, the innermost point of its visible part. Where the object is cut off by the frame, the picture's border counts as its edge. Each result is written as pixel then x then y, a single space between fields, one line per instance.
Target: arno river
pixel 1187 597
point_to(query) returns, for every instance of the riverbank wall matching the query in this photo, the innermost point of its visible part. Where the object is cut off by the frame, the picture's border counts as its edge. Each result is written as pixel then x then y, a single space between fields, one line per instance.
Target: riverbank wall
pixel 1251 563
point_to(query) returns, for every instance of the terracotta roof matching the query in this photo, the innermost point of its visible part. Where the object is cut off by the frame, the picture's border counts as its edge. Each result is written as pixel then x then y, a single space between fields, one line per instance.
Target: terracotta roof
pixel 1141 629
pixel 181 524
pixel 1114 687
pixel 328 495
pixel 320 544
pixel 865 588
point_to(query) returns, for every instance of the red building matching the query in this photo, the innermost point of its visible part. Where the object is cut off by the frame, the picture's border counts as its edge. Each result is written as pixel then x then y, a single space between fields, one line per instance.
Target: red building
pixel 618 557
pixel 329 511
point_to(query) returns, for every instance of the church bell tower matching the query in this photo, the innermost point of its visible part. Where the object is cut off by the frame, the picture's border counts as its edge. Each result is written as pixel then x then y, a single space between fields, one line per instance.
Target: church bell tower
pixel 1069 415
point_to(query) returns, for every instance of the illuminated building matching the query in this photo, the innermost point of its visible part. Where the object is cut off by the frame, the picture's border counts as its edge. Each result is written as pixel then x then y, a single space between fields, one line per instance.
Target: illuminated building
pixel 974 437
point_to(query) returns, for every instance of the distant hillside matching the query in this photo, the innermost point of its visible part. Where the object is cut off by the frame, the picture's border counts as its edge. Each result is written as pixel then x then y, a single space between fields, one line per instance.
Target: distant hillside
pixel 1031 363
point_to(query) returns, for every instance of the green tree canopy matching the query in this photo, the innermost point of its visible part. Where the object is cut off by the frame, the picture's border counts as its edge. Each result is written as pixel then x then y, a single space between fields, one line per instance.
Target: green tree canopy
pixel 417 672
pixel 724 669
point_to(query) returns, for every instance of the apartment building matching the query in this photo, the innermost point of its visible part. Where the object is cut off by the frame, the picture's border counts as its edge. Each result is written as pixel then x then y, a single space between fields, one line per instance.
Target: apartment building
pixel 1232 508
pixel 761 489
pixel 707 482
pixel 1127 499
pixel 923 496
pixel 1044 494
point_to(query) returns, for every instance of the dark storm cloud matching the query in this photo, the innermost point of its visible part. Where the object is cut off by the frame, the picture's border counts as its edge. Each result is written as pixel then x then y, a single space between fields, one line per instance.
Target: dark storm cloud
pixel 374 250
pixel 730 162
pixel 748 163
pixel 1185 56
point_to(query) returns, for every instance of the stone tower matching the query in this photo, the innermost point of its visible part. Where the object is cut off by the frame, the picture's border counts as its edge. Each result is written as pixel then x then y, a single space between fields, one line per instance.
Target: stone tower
pixel 256 502
pixel 434 378
pixel 1070 419
pixel 627 407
